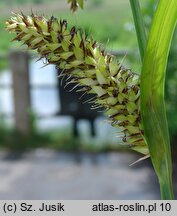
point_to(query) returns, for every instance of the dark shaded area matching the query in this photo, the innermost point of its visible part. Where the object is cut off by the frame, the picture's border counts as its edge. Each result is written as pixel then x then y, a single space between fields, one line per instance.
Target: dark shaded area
pixel 76 104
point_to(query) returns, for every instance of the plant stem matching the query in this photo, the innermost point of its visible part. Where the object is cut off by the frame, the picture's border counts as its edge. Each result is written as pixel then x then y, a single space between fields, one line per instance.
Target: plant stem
pixel 152 93
pixel 139 25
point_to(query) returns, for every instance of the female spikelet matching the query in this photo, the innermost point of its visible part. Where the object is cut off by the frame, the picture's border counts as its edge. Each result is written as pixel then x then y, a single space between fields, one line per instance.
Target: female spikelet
pixel 117 89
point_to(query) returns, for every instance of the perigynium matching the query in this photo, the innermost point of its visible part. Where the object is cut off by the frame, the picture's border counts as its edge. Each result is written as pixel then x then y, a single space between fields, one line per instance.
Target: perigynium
pixel 75 4
pixel 86 64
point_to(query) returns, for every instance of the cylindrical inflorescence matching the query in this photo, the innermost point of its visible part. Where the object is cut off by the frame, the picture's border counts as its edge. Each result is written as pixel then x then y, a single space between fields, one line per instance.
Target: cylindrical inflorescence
pixel 117 89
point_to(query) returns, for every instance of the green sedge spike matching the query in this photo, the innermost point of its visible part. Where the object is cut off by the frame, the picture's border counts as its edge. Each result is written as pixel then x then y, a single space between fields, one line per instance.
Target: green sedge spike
pixel 117 89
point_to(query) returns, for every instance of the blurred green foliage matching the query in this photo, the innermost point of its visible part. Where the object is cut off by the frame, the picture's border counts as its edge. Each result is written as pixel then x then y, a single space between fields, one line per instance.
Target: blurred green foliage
pixel 62 140
pixel 16 2
pixel 108 21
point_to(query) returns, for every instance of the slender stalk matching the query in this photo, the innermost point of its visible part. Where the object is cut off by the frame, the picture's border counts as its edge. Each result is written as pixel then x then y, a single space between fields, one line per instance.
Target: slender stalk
pixel 139 25
pixel 152 93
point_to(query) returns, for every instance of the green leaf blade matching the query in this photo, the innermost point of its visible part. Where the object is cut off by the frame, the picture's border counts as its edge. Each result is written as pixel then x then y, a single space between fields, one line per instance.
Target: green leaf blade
pixel 139 25
pixel 152 93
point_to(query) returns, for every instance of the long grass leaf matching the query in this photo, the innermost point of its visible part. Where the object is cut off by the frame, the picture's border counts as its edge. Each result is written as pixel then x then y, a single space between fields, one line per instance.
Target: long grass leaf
pixel 152 93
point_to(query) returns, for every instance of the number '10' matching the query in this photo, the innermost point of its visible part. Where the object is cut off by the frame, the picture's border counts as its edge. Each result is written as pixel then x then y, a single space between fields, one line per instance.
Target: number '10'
pixel 165 206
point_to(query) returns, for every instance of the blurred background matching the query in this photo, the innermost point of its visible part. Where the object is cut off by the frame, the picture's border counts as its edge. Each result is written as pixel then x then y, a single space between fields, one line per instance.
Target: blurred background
pixel 52 145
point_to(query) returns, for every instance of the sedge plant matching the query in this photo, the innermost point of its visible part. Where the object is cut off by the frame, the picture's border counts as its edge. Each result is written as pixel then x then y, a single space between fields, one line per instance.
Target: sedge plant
pixel 133 103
